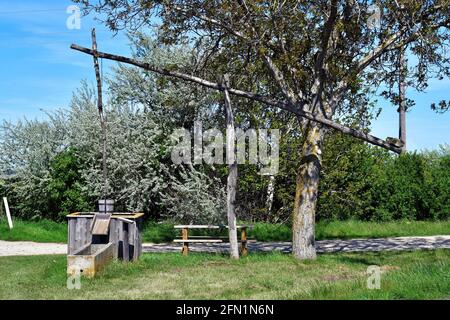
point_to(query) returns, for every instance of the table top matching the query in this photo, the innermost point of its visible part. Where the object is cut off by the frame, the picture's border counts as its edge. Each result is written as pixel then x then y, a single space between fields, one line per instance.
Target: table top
pixel 193 226
pixel 128 215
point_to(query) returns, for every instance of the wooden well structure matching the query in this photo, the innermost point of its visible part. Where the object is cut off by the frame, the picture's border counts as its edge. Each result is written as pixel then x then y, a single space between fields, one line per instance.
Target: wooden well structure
pixel 123 241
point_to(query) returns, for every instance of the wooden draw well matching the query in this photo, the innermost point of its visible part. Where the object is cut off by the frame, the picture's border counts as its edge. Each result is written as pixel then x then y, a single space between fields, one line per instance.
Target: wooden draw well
pixel 88 253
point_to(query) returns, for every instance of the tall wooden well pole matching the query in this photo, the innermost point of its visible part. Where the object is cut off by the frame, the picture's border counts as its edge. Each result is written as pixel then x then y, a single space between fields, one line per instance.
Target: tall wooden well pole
pixel 102 116
pixel 402 101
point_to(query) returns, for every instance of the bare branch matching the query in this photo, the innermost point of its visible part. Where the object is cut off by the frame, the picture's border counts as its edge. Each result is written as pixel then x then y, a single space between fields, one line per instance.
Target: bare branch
pixel 276 72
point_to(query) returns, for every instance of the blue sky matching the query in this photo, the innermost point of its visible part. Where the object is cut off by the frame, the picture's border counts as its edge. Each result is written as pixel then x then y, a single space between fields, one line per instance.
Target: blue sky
pixel 39 71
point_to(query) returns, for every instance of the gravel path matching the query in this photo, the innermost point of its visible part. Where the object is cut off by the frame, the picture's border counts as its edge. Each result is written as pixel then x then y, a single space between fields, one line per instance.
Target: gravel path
pixel 8 248
pixel 355 245
pixel 26 248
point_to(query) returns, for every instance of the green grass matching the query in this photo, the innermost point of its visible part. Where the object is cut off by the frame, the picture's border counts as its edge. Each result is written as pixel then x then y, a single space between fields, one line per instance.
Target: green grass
pixel 362 229
pixel 48 231
pixel 38 231
pixel 406 275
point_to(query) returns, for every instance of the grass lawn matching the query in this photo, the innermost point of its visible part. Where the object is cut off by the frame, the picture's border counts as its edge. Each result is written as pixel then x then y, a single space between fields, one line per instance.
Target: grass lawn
pixel 49 231
pixel 406 275
pixel 38 231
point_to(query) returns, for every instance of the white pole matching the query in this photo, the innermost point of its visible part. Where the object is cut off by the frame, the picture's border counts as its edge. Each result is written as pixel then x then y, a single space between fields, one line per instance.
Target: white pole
pixel 8 214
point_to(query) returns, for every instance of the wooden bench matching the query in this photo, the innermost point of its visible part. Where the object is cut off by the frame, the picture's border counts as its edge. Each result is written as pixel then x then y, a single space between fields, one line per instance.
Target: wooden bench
pixel 185 239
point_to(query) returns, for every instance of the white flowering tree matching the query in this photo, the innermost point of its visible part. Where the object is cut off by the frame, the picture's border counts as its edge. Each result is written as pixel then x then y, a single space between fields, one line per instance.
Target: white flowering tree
pixel 141 112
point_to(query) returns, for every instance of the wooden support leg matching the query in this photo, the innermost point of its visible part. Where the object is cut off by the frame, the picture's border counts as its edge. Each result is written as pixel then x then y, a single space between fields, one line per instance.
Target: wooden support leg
pixel 72 238
pixel 126 244
pixel 184 235
pixel 244 249
pixel 114 236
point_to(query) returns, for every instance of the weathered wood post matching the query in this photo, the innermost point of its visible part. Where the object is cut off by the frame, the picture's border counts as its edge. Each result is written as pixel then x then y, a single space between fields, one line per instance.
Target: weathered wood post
pixel 244 248
pixel 402 103
pixel 184 235
pixel 102 117
pixel 233 171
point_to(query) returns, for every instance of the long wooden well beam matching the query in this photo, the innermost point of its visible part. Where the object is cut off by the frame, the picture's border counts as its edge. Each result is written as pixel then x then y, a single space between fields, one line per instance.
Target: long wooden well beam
pixel 245 94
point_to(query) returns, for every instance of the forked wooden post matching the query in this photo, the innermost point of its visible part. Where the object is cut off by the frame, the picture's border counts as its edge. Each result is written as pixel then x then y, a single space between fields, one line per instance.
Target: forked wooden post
pixel 232 171
pixel 244 248
pixel 184 235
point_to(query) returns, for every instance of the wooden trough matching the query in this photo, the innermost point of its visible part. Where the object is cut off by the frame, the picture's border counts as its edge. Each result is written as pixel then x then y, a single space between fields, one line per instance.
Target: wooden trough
pixel 90 259
pixel 91 253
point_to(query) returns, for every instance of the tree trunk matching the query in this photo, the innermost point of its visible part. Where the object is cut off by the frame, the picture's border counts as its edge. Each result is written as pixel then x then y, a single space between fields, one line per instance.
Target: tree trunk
pixel 232 174
pixel 303 238
pixel 270 194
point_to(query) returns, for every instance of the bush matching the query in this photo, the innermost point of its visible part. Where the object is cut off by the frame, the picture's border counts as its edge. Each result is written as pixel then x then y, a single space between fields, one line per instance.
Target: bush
pixel 411 186
pixel 194 198
pixel 65 194
pixel 270 232
pixel 365 183
pixel 159 232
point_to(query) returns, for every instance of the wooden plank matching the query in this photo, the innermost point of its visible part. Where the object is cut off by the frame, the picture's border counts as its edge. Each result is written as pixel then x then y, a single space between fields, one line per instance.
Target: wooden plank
pixel 206 237
pixel 100 224
pixel 112 231
pixel 131 233
pixel 131 240
pixel 118 235
pixel 83 231
pixel 113 236
pixel 87 228
pixel 224 239
pixel 126 251
pixel 192 226
pixel 120 224
pixel 198 241
pixel 114 215
pixel 135 241
pixel 78 239
pixel 71 225
pixel 198 227
pixel 139 239
pixel 8 213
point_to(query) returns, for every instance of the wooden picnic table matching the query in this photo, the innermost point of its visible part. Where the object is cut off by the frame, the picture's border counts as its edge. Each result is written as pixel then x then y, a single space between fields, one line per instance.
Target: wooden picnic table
pixel 186 240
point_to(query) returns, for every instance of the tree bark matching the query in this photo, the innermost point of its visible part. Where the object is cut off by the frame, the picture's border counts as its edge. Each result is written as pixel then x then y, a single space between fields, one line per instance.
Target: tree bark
pixel 232 174
pixel 303 239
